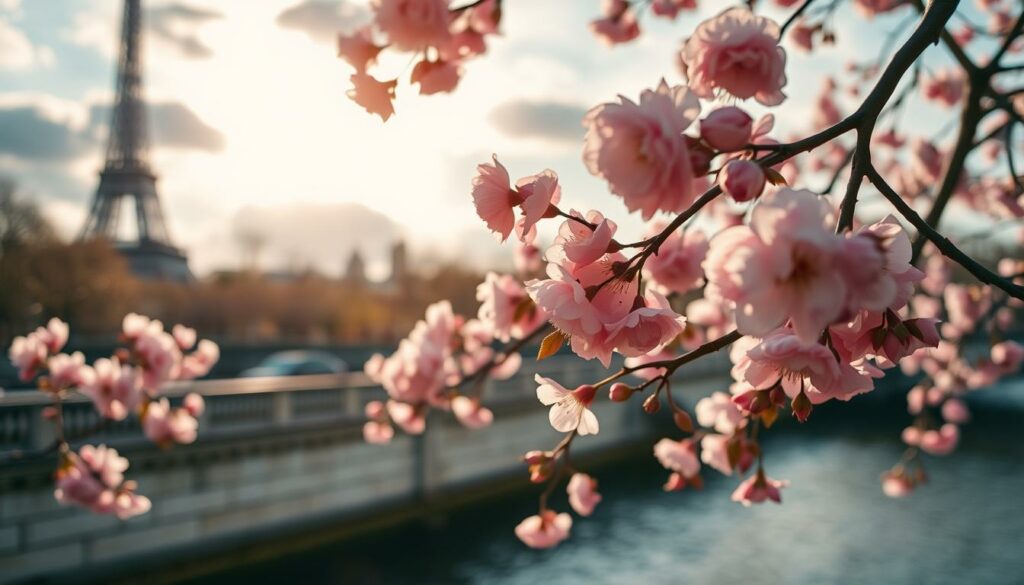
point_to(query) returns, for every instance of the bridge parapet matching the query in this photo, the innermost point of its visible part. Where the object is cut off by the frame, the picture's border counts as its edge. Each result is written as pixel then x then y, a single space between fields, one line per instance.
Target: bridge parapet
pixel 274 457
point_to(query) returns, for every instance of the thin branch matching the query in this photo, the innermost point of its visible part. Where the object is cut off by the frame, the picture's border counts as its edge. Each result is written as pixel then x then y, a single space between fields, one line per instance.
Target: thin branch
pixel 943 244
pixel 794 17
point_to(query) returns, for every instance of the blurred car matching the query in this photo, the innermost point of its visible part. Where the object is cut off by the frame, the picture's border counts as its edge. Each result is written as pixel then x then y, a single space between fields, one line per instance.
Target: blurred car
pixel 297 363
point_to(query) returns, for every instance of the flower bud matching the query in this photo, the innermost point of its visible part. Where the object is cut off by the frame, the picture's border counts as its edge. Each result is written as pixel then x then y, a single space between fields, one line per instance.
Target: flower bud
pixel 683 421
pixel 676 482
pixel 743 180
pixel 727 129
pixel 801 407
pixel 652 404
pixel 541 472
pixel 620 392
pixel 535 457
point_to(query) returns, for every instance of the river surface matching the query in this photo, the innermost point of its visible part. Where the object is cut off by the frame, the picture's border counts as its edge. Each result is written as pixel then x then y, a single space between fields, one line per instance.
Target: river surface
pixel 966 527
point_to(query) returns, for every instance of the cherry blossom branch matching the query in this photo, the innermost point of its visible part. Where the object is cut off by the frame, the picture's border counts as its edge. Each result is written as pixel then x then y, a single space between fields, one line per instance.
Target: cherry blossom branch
pixel 969 118
pixel 794 17
pixel 946 247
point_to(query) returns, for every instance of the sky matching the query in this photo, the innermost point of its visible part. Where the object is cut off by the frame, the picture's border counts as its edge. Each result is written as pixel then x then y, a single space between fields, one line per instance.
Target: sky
pixel 252 132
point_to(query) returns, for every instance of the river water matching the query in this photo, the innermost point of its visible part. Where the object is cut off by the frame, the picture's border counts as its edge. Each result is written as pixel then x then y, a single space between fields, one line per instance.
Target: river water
pixel 966 527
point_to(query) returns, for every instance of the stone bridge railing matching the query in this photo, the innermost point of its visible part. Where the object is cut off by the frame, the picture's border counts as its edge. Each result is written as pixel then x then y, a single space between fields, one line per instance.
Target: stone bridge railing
pixel 275 457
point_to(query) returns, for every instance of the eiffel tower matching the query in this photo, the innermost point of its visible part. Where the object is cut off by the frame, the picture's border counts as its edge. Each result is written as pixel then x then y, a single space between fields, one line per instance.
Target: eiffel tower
pixel 126 175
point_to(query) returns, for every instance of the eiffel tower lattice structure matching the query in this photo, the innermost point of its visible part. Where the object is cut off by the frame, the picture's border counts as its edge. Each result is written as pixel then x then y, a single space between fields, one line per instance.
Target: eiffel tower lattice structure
pixel 126 174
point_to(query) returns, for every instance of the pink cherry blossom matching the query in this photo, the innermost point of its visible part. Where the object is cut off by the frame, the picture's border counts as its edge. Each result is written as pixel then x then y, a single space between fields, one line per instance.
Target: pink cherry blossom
pixel 671 8
pixel 494 198
pixel 619 24
pixel 486 16
pixel 710 315
pixel 583 496
pixel 378 433
pixel 413 25
pixel 678 456
pixel 94 478
pixel 69 371
pixel 586 319
pixel 896 485
pixel 714 451
pixel 660 354
pixel 165 425
pixel 945 87
pixel 569 408
pixel 527 258
pixel 436 76
pixel 375 96
pixel 676 267
pixel 727 129
pixel 718 412
pixel 378 429
pixel 471 413
pixel 802 35
pixel 115 389
pixel 584 245
pixel 652 323
pixel 199 363
pixel 358 49
pixel 781 267
pixel 539 193
pixel 758 488
pixel 783 355
pixel 737 53
pixel 1007 356
pixel 502 301
pixel 184 336
pixel 941 441
pixel 416 373
pixel 28 355
pixel 875 262
pixel 870 8
pixel 926 161
pixel 889 138
pixel 955 411
pixel 544 530
pixel 160 356
pixel 964 307
pixel 194 404
pixel 663 178
pixel 410 418
pixel 743 180
pixel 53 336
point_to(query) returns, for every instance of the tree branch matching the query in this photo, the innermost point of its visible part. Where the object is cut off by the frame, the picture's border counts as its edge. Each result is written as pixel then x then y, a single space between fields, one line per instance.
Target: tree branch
pixel 948 249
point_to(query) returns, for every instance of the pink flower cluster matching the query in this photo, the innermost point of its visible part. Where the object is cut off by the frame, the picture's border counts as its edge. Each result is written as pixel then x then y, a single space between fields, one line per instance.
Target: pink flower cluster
pixel 598 319
pixel 443 351
pixel 29 353
pixel 495 200
pixel 445 36
pixel 117 386
pixel 94 479
pixel 789 266
pixel 549 528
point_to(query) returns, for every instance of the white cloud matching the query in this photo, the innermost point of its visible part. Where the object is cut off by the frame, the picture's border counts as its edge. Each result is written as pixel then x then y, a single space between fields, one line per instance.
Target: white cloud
pixel 17 53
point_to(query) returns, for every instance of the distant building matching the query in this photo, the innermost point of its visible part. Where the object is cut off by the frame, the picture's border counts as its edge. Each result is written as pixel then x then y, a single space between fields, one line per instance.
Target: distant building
pixel 355 271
